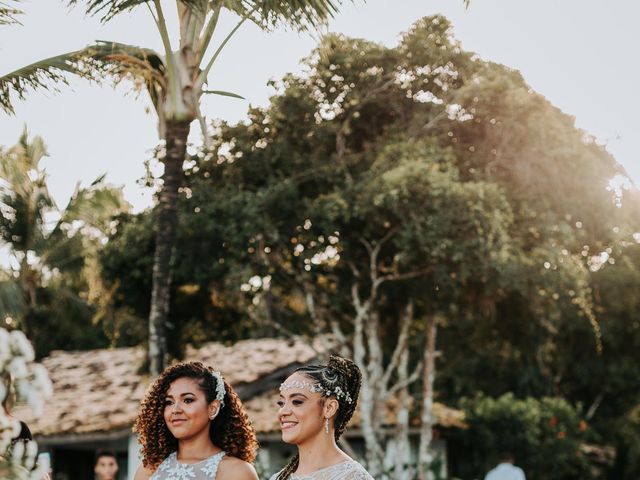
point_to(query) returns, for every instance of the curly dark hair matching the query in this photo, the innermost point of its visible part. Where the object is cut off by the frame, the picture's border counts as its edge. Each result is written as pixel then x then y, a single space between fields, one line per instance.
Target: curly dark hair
pixel 339 372
pixel 230 430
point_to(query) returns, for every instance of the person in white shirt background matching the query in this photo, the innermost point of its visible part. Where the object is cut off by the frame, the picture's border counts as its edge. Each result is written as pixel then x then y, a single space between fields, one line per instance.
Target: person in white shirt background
pixel 506 470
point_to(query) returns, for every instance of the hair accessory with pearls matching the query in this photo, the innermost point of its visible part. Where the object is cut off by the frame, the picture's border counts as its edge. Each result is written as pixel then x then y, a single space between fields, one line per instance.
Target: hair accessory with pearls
pixel 318 388
pixel 220 390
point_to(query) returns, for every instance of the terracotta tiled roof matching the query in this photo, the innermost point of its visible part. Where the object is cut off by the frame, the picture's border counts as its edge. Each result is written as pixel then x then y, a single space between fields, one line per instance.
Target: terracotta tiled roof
pixel 248 360
pixel 94 391
pixel 100 390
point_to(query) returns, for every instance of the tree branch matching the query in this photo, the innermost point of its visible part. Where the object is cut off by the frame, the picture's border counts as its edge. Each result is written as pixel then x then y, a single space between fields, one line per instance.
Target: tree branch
pixel 402 384
pixel 355 296
pixel 405 276
pixel 594 406
pixel 406 318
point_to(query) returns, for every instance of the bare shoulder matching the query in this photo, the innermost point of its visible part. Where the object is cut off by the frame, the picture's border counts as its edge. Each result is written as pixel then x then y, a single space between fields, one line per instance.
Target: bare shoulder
pixel 143 473
pixel 232 468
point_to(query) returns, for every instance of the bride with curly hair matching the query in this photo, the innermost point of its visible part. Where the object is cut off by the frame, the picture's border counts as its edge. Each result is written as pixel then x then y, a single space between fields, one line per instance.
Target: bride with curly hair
pixel 192 425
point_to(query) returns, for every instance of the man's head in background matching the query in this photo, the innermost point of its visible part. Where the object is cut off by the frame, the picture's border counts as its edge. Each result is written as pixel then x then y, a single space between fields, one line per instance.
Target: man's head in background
pixel 106 466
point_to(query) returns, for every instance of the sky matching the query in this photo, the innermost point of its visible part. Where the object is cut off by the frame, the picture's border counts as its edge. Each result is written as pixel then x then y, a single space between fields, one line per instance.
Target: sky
pixel 579 54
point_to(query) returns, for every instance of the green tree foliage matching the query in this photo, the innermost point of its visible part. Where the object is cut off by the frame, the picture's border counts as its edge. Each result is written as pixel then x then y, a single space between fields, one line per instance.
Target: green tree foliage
pixel 544 435
pixel 609 387
pixel 297 181
pixel 628 447
pixel 420 176
pixel 205 298
pixel 41 293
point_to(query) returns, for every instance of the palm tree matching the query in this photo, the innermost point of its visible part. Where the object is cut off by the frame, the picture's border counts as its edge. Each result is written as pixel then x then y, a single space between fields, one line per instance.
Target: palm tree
pixel 44 243
pixel 8 13
pixel 176 79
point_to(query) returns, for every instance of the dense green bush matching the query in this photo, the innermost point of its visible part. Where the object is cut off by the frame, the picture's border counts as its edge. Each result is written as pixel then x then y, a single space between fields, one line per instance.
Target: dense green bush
pixel 544 435
pixel 628 446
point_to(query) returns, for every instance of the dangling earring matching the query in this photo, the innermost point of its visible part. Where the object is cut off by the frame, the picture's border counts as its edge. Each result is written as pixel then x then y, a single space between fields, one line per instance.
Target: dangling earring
pixel 326 425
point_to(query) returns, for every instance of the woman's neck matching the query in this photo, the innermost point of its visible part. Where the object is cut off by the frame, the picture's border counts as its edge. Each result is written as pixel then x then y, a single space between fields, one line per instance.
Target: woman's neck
pixel 319 452
pixel 196 448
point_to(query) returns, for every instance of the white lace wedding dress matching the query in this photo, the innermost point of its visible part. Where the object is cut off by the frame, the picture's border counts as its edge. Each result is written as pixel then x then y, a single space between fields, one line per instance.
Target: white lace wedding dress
pixel 349 470
pixel 171 469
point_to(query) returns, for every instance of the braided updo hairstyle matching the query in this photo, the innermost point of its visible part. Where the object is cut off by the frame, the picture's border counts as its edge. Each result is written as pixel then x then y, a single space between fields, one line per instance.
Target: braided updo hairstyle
pixel 339 372
pixel 230 430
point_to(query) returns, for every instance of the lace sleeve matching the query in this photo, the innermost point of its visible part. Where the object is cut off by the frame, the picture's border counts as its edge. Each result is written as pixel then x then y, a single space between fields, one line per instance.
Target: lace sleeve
pixel 360 476
pixel 357 473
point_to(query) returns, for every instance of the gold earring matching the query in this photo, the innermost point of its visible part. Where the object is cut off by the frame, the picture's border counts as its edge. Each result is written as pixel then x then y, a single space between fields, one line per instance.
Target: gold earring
pixel 326 425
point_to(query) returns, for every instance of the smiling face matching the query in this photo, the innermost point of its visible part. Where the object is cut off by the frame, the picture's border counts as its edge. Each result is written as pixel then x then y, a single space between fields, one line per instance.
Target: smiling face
pixel 302 412
pixel 186 410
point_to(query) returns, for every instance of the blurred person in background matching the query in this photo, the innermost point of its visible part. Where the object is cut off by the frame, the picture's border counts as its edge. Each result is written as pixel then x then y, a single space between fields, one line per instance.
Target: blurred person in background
pixel 106 466
pixel 506 470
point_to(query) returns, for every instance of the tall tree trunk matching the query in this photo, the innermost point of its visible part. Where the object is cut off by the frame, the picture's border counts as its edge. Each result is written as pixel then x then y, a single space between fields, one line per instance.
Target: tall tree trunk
pixel 373 448
pixel 374 451
pixel 166 223
pixel 425 456
pixel 402 445
pixel 28 285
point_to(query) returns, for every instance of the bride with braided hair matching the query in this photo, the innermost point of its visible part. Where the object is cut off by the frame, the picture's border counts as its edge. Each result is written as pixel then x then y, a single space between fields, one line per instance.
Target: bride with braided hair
pixel 316 403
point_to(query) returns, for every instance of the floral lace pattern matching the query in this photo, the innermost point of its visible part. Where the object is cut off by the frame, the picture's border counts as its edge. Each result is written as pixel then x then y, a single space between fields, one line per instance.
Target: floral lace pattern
pixel 349 470
pixel 211 466
pixel 171 469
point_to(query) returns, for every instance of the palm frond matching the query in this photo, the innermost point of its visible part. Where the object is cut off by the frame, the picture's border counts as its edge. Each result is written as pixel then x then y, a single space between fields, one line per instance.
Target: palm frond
pixel 8 13
pixel 107 9
pixel 224 94
pixel 120 61
pixel 62 251
pixel 299 14
pixel 24 197
pixel 17 167
pixel 89 211
pixel 95 206
pixel 98 62
pixel 31 150
pixel 43 74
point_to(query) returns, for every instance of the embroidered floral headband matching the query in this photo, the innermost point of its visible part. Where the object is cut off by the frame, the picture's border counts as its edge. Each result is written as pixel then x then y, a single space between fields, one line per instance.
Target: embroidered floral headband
pixel 316 387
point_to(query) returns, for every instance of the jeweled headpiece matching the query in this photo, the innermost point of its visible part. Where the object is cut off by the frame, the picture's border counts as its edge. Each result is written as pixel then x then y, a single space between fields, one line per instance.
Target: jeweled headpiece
pixel 220 390
pixel 316 387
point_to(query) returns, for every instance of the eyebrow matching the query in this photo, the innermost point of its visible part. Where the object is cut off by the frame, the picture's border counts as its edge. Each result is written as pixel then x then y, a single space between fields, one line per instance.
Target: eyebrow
pixel 296 394
pixel 182 395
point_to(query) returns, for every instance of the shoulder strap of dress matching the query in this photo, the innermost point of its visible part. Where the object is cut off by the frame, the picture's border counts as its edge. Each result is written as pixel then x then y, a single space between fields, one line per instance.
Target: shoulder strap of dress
pixel 210 468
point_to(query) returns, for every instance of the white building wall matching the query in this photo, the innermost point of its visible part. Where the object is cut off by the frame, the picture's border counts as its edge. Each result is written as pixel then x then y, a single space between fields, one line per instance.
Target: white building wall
pixel 133 451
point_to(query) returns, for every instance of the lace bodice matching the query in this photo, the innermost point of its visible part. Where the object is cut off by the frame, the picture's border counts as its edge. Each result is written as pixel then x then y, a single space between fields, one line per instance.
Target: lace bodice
pixel 171 469
pixel 349 470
